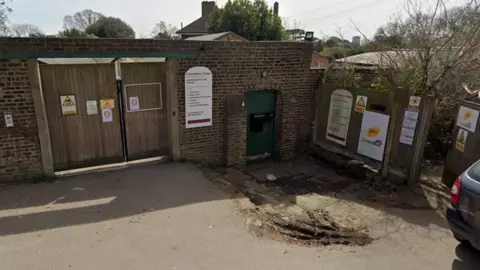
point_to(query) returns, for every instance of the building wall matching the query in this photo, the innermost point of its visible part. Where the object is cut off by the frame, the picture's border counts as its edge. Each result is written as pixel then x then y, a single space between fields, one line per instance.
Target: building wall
pixel 319 61
pixel 237 67
pixel 19 145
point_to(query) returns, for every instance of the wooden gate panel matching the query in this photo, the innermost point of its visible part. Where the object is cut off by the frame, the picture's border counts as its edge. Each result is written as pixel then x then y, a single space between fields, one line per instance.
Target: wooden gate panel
pixel 81 140
pixel 146 125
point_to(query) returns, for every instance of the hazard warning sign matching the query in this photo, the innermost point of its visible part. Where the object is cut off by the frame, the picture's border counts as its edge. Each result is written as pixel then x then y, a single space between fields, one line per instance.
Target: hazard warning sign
pixel 69 106
pixel 461 139
pixel 107 103
pixel 361 104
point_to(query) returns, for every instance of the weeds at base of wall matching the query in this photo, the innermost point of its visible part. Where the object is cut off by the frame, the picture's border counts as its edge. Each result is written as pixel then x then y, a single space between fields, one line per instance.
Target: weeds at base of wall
pixel 354 168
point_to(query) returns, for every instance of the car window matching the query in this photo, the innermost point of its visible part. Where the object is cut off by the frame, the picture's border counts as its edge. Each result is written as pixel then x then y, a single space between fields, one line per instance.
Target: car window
pixel 475 172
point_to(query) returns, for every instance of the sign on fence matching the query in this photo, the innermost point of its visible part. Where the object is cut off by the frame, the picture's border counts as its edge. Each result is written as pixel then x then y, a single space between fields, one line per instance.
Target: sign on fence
pixel 361 104
pixel 373 135
pixel 467 118
pixel 409 124
pixel 339 116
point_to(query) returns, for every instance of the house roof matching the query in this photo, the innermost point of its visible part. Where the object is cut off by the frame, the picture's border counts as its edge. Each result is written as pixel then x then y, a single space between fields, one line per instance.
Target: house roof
pixel 199 26
pixel 215 36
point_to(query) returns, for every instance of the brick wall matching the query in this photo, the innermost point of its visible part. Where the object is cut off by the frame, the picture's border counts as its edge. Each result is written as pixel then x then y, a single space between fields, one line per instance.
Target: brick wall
pixel 237 68
pixel 19 145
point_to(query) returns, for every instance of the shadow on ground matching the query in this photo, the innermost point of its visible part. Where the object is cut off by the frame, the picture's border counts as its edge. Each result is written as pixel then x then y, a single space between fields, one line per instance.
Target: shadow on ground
pixel 467 258
pixel 102 196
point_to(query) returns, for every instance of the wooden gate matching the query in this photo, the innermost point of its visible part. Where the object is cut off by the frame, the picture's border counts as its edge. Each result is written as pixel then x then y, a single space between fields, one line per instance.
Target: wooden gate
pixel 145 109
pixel 80 137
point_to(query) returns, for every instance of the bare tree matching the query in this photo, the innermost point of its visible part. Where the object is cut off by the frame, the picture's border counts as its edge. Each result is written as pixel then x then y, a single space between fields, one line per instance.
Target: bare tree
pixel 82 19
pixel 293 29
pixel 4 10
pixel 164 31
pixel 26 30
pixel 432 51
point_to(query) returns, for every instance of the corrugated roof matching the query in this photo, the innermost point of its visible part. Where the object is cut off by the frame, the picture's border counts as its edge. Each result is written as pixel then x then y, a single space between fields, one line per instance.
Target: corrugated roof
pixel 381 58
pixel 72 61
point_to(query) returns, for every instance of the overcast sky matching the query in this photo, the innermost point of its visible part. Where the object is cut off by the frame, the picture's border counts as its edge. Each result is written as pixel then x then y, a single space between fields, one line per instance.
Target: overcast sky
pixel 323 17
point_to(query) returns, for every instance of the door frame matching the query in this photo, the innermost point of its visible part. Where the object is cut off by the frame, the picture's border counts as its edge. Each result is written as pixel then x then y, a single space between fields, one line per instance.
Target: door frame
pixel 276 126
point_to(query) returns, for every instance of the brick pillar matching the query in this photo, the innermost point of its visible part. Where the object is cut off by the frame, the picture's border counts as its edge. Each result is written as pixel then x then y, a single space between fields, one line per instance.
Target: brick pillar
pixel 289 125
pixel 236 130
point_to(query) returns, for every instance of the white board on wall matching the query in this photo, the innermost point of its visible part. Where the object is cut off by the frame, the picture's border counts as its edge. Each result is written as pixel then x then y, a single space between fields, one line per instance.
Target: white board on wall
pixel 198 97
pixel 339 116
pixel 373 135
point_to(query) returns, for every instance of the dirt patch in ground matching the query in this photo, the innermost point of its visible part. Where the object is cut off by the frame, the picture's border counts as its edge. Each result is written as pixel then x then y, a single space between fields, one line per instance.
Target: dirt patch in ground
pixel 314 228
pixel 269 215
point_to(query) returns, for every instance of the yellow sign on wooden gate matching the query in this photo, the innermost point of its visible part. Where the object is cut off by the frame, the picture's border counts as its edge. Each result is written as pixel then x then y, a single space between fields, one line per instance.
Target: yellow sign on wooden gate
pixel 107 103
pixel 68 105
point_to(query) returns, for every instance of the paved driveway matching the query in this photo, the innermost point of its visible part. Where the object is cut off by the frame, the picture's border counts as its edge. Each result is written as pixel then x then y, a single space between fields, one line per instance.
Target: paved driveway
pixel 168 216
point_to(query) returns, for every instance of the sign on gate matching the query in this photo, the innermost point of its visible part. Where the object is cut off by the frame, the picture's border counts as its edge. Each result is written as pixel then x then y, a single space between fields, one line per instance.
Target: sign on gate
pixel 69 107
pixel 198 97
pixel 134 103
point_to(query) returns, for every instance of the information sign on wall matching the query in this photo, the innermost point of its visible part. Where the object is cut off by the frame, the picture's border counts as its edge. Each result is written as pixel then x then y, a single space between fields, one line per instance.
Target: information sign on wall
pixel 198 97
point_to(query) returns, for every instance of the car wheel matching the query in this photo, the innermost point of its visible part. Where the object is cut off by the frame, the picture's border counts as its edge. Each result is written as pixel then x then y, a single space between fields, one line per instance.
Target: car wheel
pixel 463 242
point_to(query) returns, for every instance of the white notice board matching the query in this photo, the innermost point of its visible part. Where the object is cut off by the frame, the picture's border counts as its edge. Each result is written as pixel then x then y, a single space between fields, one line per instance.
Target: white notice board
pixel 373 135
pixel 198 97
pixel 339 116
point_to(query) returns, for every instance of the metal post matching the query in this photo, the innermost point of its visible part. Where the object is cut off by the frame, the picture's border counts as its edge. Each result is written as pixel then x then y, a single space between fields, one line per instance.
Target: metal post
pixel 123 129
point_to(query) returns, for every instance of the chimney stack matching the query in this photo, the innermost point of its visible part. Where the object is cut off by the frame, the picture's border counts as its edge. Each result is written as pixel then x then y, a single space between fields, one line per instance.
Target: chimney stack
pixel 207 8
pixel 275 8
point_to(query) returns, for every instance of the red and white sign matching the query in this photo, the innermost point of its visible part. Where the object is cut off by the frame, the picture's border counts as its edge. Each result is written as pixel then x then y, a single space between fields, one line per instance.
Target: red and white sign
pixel 134 104
pixel 198 97
pixel 107 115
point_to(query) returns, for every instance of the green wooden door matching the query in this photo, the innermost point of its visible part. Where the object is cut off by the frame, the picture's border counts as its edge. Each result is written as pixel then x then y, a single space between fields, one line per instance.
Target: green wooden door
pixel 261 122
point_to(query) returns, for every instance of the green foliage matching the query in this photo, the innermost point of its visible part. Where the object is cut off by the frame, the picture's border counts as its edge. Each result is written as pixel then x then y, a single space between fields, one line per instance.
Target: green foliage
pixel 252 20
pixel 110 27
pixel 69 33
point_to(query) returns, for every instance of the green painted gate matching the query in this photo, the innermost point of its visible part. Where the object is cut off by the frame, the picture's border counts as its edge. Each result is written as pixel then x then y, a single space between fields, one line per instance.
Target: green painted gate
pixel 261 108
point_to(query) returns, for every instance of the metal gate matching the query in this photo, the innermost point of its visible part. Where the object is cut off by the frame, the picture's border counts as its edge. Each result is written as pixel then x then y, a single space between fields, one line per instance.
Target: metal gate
pixel 79 132
pixel 145 109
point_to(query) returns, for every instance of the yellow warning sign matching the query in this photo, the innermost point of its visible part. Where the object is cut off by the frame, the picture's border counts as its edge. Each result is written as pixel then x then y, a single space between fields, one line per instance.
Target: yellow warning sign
pixel 361 104
pixel 461 139
pixel 107 103
pixel 68 104
pixel 68 101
